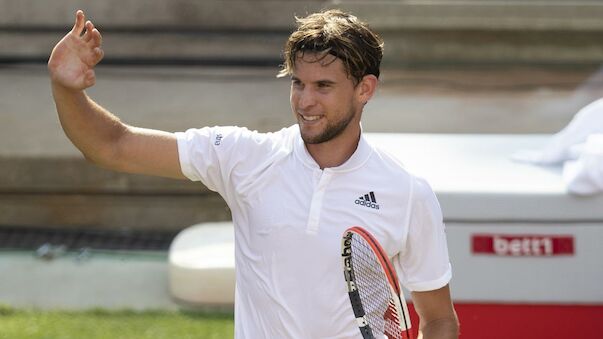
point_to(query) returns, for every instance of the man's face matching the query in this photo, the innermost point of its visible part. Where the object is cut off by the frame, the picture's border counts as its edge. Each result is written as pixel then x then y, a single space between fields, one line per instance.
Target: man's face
pixel 324 99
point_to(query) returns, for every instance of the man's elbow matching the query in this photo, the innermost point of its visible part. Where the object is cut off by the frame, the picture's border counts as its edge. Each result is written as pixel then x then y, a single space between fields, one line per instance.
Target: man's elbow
pixel 444 328
pixel 110 151
pixel 101 160
pixel 107 157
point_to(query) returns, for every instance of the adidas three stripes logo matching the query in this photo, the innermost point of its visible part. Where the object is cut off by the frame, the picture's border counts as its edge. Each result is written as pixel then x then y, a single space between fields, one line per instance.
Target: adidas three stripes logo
pixel 368 200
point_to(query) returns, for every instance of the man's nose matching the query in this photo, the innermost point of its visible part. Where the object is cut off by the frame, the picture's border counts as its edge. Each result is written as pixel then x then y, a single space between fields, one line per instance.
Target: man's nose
pixel 306 99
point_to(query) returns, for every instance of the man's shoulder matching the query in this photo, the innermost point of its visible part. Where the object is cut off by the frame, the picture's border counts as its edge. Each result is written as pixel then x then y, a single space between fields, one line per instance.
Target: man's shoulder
pixel 389 162
pixel 235 135
pixel 282 139
pixel 394 170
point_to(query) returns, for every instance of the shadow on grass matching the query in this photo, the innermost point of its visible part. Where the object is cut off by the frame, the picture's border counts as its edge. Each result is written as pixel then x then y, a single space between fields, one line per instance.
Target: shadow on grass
pixel 7 310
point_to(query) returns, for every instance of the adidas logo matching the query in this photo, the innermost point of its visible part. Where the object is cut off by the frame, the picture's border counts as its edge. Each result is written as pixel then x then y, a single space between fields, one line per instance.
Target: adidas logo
pixel 368 200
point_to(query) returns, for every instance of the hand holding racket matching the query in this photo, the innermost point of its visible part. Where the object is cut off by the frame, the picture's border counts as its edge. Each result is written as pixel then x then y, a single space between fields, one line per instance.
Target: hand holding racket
pixel 373 287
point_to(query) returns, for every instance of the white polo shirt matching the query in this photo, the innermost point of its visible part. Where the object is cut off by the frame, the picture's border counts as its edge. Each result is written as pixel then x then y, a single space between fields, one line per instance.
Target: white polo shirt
pixel 289 217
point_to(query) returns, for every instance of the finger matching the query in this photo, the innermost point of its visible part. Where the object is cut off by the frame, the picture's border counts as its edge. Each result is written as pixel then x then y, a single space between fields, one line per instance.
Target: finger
pixel 94 57
pixel 88 34
pixel 97 39
pixel 78 26
pixel 98 55
pixel 89 78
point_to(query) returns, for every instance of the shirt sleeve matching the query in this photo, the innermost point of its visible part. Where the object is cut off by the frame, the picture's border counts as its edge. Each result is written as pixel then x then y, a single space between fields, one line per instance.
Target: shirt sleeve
pixel 224 158
pixel 209 154
pixel 424 263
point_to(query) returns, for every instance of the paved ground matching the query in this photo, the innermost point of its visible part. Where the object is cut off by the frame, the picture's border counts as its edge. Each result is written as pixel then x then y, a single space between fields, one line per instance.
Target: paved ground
pixel 107 280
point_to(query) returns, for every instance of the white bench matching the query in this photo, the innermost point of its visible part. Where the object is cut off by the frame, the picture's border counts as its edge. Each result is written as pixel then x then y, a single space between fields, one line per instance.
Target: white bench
pixel 201 265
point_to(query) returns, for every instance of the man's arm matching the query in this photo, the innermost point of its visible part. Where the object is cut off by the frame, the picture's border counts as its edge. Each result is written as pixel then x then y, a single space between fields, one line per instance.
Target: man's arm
pixel 437 318
pixel 101 137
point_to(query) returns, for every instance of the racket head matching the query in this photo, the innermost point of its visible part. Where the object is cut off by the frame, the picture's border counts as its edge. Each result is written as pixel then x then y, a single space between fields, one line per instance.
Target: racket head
pixel 373 287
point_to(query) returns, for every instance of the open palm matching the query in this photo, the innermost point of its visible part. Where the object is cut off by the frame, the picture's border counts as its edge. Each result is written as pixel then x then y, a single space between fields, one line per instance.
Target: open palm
pixel 73 59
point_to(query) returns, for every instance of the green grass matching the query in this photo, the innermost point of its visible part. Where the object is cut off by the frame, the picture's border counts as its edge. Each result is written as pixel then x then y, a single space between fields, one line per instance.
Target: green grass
pixel 97 324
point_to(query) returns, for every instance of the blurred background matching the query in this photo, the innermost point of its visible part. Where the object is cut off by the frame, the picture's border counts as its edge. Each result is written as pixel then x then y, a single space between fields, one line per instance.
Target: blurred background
pixel 481 66
pixel 450 67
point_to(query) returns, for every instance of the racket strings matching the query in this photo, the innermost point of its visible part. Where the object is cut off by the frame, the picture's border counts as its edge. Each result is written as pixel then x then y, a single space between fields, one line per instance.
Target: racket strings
pixel 374 290
pixel 392 322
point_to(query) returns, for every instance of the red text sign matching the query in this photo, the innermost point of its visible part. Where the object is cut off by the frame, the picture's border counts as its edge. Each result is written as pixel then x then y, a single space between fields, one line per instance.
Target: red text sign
pixel 522 245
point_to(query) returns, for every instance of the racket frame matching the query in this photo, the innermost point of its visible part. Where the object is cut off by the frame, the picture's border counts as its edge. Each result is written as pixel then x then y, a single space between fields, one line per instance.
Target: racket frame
pixel 390 273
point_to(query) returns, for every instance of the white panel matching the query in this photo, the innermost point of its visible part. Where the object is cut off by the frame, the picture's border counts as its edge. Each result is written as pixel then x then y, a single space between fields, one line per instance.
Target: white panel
pixel 571 279
pixel 475 178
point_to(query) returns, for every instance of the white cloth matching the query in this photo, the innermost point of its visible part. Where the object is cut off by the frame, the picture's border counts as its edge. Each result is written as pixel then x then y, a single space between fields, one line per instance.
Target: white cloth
pixel 577 146
pixel 584 175
pixel 290 215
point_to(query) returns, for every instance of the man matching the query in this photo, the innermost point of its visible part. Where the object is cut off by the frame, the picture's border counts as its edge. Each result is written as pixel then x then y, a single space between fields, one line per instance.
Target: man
pixel 292 192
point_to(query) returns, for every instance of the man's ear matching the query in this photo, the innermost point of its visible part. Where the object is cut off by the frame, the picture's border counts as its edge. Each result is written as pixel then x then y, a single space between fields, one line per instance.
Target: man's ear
pixel 366 88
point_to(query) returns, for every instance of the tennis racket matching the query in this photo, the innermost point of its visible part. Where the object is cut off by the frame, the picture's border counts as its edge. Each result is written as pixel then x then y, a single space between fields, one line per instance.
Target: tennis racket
pixel 373 287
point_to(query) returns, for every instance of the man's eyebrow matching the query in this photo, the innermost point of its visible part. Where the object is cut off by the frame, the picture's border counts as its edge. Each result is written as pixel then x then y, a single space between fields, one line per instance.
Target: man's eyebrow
pixel 325 82
pixel 321 82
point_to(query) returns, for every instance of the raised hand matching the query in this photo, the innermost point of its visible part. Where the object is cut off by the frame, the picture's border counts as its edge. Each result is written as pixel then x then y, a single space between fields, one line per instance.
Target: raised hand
pixel 73 59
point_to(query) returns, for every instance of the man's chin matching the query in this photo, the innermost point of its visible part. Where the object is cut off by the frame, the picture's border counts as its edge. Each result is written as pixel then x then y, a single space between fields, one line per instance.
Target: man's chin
pixel 309 136
pixel 311 139
pixel 316 135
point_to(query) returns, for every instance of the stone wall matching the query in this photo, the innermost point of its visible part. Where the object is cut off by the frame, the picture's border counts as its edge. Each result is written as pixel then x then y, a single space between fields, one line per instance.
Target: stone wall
pixel 252 32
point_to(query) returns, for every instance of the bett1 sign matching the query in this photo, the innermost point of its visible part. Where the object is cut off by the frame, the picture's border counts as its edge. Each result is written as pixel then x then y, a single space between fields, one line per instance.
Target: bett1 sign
pixel 522 245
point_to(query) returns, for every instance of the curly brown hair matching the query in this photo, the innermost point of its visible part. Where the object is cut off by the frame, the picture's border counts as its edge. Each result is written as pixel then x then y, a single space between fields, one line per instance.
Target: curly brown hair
pixel 336 33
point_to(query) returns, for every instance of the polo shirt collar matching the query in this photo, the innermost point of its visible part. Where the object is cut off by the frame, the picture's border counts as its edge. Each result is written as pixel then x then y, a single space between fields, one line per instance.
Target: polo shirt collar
pixel 358 158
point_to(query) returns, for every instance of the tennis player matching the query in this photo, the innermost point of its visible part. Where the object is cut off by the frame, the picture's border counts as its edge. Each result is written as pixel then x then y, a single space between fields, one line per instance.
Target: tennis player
pixel 292 192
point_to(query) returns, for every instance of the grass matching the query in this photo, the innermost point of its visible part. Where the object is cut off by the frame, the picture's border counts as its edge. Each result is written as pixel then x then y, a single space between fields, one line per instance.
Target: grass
pixel 101 324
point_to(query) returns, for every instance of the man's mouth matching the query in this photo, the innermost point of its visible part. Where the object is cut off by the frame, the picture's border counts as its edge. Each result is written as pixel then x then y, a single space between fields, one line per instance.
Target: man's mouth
pixel 310 117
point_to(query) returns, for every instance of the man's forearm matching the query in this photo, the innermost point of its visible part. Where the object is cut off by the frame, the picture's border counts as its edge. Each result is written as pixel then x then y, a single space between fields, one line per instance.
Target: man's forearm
pixel 440 329
pixel 91 128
